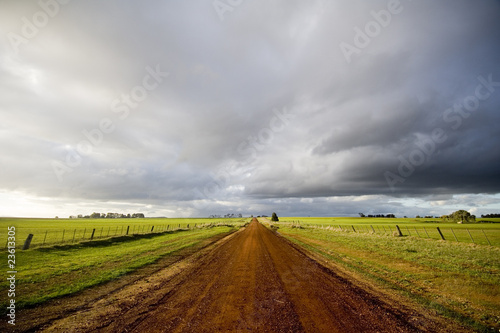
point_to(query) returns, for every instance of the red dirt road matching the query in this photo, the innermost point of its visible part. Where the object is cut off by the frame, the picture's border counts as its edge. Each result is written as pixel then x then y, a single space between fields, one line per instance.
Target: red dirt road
pixel 253 281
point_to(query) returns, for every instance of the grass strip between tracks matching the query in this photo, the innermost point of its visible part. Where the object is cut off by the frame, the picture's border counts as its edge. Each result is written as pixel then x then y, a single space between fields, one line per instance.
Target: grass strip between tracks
pixel 48 273
pixel 458 281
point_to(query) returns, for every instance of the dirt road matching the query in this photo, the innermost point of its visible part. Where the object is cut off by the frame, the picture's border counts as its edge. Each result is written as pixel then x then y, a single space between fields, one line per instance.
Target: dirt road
pixel 254 282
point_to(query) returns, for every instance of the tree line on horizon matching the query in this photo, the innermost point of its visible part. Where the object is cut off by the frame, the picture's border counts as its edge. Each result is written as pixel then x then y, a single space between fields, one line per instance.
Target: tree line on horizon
pixel 107 216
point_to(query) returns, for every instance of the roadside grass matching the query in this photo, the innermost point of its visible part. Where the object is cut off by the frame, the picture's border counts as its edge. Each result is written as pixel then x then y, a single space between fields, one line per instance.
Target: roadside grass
pixel 48 232
pixel 457 280
pixel 52 272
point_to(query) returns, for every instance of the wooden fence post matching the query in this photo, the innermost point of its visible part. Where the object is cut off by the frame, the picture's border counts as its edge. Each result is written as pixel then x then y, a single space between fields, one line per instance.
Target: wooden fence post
pixel 27 242
pixel 426 232
pixel 409 234
pixel 470 236
pixel 128 228
pixel 92 236
pixel 453 232
pixel 152 228
pixel 372 229
pixel 440 233
pixel 486 237
pixel 44 238
pixel 399 231
pixel 353 228
pixel 416 231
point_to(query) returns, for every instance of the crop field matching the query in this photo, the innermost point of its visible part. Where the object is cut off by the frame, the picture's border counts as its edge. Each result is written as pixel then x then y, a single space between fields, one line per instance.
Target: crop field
pixel 458 280
pixel 47 232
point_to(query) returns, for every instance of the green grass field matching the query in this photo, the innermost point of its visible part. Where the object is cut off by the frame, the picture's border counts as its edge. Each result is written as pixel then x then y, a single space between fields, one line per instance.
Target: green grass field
pixel 49 272
pixel 479 233
pixel 458 280
pixel 49 232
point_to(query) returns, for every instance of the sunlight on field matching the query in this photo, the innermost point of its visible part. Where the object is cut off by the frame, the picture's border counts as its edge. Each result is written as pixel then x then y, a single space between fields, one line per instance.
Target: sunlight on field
pixel 62 231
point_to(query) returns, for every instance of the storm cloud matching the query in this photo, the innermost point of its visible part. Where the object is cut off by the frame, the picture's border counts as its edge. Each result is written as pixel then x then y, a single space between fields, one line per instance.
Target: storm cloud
pixel 181 108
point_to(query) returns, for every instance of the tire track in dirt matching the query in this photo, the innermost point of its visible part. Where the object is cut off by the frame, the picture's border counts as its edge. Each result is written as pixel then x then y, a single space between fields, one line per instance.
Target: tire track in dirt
pixel 256 282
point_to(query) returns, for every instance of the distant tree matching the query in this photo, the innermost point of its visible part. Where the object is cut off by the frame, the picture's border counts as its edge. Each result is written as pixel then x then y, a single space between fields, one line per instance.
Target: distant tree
pixel 95 215
pixel 361 215
pixel 490 215
pixel 459 216
pixel 138 215
pixel 274 217
pixel 418 216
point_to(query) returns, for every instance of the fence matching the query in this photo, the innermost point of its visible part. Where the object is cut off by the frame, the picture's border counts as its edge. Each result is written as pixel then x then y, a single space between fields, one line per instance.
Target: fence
pixel 462 234
pixel 76 235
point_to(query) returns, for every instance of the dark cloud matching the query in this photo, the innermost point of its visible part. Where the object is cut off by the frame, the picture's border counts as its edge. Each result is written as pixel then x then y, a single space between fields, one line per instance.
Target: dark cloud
pixel 259 110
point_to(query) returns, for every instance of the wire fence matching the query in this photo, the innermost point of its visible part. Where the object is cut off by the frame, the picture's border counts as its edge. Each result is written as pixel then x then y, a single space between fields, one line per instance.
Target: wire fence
pixel 461 234
pixel 47 238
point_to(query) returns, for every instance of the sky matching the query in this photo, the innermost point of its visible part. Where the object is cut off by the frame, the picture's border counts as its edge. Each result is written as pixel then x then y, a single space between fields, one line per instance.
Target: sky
pixel 303 108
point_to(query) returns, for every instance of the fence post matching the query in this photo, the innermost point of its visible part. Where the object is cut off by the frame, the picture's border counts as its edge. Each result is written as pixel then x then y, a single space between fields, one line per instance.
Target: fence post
pixel 128 227
pixel 62 241
pixel 152 228
pixel 470 236
pixel 416 231
pixel 353 228
pixel 453 232
pixel 486 237
pixel 27 242
pixel 409 234
pixel 399 231
pixel 440 233
pixel 92 236
pixel 44 238
pixel 372 229
pixel 426 232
